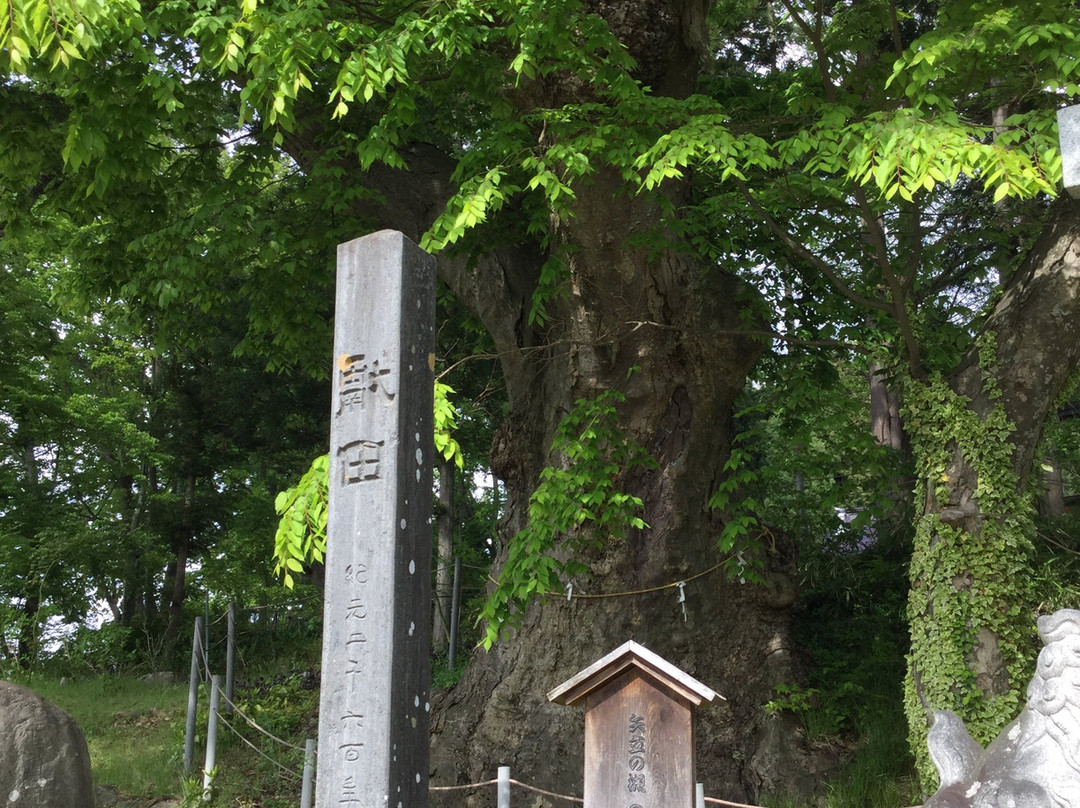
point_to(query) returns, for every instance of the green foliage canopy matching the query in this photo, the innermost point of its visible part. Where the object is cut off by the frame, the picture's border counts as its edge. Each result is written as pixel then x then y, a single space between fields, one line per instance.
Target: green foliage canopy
pixel 853 164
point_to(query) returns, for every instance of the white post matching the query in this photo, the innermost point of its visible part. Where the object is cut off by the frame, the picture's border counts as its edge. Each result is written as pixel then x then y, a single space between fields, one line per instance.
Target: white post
pixel 211 736
pixel 504 787
pixel 699 796
pixel 309 765
pixel 206 635
pixel 230 657
pixel 193 697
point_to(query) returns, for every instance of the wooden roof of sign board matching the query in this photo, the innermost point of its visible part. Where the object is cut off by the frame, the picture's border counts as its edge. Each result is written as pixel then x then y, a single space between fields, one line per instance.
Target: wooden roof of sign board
pixel 626 656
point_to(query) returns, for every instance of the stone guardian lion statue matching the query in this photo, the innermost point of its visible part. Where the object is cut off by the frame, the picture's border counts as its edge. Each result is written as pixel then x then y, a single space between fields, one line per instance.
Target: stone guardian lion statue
pixel 1035 761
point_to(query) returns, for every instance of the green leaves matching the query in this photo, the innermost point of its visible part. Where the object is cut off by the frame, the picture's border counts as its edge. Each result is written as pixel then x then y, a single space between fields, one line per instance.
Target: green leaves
pixel 742 526
pixel 301 534
pixel 576 506
pixel 479 197
pixel 936 128
pixel 56 32
pixel 987 53
pixel 898 153
pixel 906 152
pixel 705 139
pixel 300 539
pixel 446 415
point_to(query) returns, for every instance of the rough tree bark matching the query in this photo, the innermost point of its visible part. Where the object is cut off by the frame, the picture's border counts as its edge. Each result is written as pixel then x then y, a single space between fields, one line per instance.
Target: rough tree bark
pixel 734 637
pixel 970 608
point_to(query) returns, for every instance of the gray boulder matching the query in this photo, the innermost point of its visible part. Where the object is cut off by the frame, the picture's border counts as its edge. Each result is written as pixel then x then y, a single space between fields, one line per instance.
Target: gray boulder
pixel 44 762
pixel 163 678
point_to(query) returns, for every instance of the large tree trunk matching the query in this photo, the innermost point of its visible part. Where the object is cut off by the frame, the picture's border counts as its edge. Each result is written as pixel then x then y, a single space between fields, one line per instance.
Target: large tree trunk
pixel 675 319
pixel 976 438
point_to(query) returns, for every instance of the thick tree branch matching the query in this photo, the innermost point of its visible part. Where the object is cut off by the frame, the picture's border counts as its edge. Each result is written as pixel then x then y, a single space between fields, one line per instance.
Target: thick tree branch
pixel 1036 331
pixel 894 29
pixel 802 252
pixel 899 285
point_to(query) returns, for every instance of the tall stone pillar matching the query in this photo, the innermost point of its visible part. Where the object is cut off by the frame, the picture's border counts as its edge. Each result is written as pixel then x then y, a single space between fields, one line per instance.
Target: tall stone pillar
pixel 374 706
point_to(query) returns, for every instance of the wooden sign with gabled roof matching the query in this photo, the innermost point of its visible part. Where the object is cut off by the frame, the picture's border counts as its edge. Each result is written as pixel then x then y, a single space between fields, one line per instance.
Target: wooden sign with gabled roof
pixel 639 729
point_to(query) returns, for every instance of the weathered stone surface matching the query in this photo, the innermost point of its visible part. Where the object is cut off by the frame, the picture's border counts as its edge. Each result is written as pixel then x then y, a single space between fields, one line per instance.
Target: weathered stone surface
pixel 784 768
pixel 163 678
pixel 44 762
pixel 1069 139
pixel 375 697
pixel 954 752
pixel 109 796
pixel 106 796
pixel 1036 760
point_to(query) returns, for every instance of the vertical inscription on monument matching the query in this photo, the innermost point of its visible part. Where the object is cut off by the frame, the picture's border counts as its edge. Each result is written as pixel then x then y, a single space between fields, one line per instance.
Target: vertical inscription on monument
pixel 374 702
pixel 635 782
pixel 360 380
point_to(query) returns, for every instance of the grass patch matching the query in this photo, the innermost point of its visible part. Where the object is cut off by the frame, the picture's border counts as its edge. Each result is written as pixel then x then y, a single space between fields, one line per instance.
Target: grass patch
pixel 253 769
pixel 881 775
pixel 134 730
pixel 442 675
pixel 135 734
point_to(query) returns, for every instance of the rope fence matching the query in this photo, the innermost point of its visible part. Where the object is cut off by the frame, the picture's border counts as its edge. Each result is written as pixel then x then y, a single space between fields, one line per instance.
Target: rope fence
pixel 256 726
pixel 505 781
pixel 536 790
pixel 466 787
pixel 504 770
pixel 290 772
pixel 200 672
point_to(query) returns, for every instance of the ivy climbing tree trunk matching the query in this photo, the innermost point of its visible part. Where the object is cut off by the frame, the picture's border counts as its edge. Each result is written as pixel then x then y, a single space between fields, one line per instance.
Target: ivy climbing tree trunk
pixel 975 437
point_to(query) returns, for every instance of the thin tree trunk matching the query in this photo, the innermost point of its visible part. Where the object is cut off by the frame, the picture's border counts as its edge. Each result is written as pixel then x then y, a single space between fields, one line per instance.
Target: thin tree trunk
pixel 1053 481
pixel 178 590
pixel 27 648
pixel 885 423
pixel 444 573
